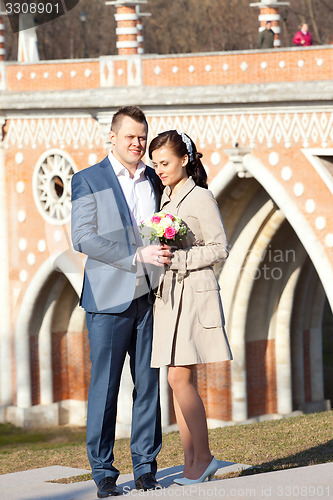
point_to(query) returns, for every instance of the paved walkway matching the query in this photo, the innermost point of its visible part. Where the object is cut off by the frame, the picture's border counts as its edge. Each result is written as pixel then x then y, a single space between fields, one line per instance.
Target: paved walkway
pixel 304 483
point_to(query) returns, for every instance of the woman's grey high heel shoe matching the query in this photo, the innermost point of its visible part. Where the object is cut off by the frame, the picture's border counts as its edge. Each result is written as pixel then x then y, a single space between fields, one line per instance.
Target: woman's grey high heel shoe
pixel 209 473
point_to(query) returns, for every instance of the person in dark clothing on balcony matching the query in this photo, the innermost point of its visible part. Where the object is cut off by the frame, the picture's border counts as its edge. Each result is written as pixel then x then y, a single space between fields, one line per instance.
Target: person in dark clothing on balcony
pixel 266 37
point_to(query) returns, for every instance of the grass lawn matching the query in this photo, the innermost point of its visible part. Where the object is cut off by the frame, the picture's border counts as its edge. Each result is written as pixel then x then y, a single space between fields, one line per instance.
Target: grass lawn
pixel 270 445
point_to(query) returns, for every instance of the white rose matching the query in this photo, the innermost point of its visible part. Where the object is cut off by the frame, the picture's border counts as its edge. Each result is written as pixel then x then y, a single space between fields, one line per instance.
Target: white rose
pixel 166 222
pixel 176 225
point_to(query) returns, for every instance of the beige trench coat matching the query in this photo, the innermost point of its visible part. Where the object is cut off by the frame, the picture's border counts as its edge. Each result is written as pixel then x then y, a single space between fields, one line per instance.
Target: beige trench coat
pixel 188 317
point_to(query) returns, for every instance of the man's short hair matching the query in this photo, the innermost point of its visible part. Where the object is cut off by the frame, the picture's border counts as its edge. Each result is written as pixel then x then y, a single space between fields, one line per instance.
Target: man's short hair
pixel 133 112
pixel 268 22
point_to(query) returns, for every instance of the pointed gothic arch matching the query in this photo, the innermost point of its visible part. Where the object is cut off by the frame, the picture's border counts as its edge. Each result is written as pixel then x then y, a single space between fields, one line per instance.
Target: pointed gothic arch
pixel 49 324
pixel 268 374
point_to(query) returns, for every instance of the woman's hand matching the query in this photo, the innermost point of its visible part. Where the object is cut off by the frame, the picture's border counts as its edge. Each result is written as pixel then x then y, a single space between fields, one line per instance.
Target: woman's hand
pixel 158 255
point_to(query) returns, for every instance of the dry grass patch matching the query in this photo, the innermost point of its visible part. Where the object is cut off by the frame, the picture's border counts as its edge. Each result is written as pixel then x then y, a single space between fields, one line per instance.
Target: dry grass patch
pixel 270 445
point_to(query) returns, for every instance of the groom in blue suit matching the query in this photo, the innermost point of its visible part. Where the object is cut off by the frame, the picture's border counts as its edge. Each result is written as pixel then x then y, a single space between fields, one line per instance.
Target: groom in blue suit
pixel 108 202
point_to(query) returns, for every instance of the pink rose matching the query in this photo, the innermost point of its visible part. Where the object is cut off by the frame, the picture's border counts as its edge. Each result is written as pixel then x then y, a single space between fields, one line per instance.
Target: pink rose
pixel 170 216
pixel 156 219
pixel 170 233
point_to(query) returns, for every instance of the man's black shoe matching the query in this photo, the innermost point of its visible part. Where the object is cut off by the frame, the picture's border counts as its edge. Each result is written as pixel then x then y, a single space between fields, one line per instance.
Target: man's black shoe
pixel 107 487
pixel 147 482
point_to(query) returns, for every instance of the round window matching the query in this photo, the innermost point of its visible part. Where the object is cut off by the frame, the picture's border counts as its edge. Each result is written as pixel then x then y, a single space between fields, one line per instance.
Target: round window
pixel 52 186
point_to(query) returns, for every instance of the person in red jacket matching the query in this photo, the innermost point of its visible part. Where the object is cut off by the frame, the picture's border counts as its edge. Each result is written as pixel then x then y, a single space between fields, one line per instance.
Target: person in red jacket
pixel 303 38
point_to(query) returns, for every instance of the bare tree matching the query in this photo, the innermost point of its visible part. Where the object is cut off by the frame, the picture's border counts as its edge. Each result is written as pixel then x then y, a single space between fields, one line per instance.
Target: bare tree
pixel 318 14
pixel 191 26
pixel 176 26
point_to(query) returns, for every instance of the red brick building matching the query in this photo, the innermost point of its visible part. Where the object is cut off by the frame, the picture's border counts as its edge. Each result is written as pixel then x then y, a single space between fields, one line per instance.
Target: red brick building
pixel 264 123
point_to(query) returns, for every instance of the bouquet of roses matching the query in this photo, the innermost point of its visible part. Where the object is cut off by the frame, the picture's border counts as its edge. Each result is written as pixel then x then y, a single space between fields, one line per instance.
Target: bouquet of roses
pixel 163 226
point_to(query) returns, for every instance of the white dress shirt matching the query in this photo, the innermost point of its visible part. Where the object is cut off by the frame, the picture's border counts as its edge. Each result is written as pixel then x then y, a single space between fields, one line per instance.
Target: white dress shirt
pixel 138 193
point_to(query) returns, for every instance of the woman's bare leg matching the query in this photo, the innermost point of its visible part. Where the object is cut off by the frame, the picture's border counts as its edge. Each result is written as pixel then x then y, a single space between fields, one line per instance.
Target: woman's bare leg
pixel 194 417
pixel 185 437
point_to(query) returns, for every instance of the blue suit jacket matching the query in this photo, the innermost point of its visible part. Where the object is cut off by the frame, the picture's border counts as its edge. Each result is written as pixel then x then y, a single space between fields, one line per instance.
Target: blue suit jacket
pixel 102 229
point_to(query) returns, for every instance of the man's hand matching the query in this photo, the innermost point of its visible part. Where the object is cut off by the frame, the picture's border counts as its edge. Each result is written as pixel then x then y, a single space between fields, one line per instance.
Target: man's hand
pixel 158 255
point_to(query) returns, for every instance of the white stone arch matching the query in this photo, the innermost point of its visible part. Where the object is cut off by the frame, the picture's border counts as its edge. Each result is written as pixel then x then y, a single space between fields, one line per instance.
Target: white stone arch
pixel 229 278
pixel 310 298
pixel 222 180
pixel 72 269
pixel 233 266
pixel 270 309
pixel 6 394
pixel 45 346
pixel 296 219
pixel 239 313
pixel 282 345
pixel 292 213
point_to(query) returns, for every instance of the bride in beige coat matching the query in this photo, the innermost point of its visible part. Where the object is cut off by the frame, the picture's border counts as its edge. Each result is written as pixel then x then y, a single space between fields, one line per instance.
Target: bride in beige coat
pixel 189 322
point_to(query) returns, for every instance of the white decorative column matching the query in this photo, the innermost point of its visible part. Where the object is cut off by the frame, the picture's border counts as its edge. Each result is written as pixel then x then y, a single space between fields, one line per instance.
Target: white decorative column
pixel 45 359
pixel 27 43
pixel 139 36
pixel 164 395
pixel 22 340
pixel 268 228
pixel 125 398
pixel 316 346
pixel 2 35
pixel 282 346
pixel 269 11
pixel 129 26
pixel 5 328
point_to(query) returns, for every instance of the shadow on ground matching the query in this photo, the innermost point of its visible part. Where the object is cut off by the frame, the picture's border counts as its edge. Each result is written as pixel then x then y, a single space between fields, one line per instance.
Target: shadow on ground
pixel 317 455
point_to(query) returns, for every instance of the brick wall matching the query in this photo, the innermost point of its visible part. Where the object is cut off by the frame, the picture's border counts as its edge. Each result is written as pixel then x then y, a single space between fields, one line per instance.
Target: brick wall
pixel 70 365
pixel 276 137
pixel 53 76
pixel 257 67
pixel 237 68
pixel 261 377
pixel 61 386
pixel 213 381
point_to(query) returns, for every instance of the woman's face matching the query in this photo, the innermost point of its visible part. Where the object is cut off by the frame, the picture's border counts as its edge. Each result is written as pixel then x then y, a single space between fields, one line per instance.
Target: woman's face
pixel 169 167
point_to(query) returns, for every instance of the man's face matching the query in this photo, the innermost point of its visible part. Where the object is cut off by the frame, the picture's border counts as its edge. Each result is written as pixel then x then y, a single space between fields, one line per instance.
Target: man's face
pixel 129 142
pixel 268 26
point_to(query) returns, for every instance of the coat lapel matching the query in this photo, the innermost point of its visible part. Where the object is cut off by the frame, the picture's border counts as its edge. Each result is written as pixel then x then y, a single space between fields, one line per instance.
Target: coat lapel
pixel 183 191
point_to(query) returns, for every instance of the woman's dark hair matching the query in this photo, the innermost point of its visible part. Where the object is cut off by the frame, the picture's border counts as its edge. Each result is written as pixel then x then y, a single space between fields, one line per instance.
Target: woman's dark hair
pixel 173 139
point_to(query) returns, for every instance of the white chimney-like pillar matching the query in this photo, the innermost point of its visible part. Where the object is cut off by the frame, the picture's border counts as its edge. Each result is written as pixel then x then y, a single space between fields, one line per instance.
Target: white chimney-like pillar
pixel 2 33
pixel 27 42
pixel 269 11
pixel 129 26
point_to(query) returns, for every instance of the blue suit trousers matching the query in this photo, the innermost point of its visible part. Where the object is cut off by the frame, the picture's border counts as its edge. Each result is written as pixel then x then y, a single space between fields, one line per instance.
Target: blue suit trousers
pixel 111 336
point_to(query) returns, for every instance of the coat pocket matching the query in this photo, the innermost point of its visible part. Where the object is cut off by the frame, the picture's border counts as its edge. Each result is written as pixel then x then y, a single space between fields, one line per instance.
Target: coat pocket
pixel 209 308
pixel 207 298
